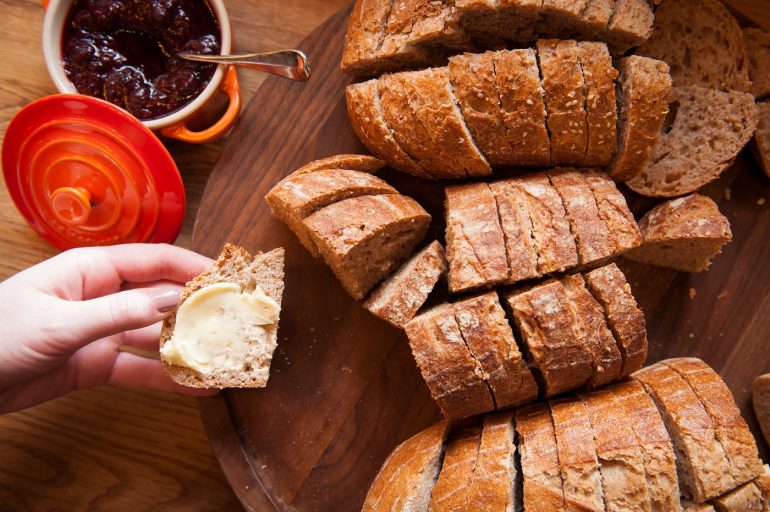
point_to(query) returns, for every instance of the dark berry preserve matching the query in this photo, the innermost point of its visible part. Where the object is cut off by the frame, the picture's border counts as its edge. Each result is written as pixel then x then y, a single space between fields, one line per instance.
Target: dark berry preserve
pixel 124 51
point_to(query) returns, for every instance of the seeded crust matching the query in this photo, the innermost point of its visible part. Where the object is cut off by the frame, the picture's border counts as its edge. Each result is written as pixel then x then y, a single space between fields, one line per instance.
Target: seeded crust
pixel 745 498
pixel 457 473
pixel 582 482
pixel 490 339
pixel 406 479
pixel 549 330
pixel 589 230
pixel 645 89
pixel 609 287
pixel 659 459
pixel 493 487
pixel 710 128
pixel 702 43
pixel 613 210
pixel 399 297
pixel 523 105
pixel 758 49
pixel 513 209
pixel 367 118
pixel 621 462
pixel 364 35
pixel 564 100
pixel 601 111
pixel 474 238
pixel 234 265
pixel 761 400
pixel 395 48
pixel 683 234
pixel 454 378
pixel 731 429
pixel 363 239
pixel 303 193
pixel 539 459
pixel 702 465
pixel 605 355
pixel 556 249
pixel 760 145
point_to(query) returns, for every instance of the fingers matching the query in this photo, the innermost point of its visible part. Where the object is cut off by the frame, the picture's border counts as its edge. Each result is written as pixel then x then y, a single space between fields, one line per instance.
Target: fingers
pixel 136 371
pixel 146 338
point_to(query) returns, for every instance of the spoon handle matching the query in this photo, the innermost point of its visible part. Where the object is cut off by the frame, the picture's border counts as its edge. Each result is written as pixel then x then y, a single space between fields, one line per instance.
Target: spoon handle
pixel 291 64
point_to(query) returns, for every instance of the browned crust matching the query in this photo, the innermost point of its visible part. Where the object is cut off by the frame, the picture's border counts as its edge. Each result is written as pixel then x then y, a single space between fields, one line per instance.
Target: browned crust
pixel 495 472
pixel 745 498
pixel 763 484
pixel 361 163
pixel 513 209
pixel 601 110
pixel 757 43
pixel 453 377
pixel 761 400
pixel 760 145
pixel 631 24
pixel 364 35
pixel 613 210
pixel 457 473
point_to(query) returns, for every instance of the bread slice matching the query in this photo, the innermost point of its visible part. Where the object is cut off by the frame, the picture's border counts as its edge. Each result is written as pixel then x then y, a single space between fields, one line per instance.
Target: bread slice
pixel 631 25
pixel 645 89
pixel 556 249
pixel 609 287
pixel 763 484
pixel 702 465
pixel 561 16
pixel 522 105
pixel 593 329
pixel 536 441
pixel 398 298
pixel 709 130
pixel 490 339
pixel 407 477
pixel 691 506
pixel 365 32
pixel 456 477
pixel 440 28
pixel 613 210
pixel 621 462
pixel 235 265
pixel 582 482
pixel 564 100
pixel 760 146
pixel 730 428
pixel 757 43
pixel 587 227
pixel 303 193
pixel 658 453
pixel 513 209
pixel 474 238
pixel 473 80
pixel 363 239
pixel 684 234
pixel 745 498
pixel 396 51
pixel 361 163
pixel 367 118
pixel 453 376
pixel 550 332
pixel 707 49
pixel 597 14
pixel 760 398
pixel 494 488
pixel 601 110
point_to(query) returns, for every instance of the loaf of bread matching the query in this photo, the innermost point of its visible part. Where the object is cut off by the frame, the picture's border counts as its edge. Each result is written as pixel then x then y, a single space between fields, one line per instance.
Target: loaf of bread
pixel 245 363
pixel 389 36
pixel 609 449
pixel 507 231
pixel 552 105
pixel 684 234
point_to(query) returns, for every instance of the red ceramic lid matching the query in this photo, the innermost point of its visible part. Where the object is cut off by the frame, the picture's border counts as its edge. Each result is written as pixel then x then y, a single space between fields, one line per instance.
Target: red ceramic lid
pixel 85 172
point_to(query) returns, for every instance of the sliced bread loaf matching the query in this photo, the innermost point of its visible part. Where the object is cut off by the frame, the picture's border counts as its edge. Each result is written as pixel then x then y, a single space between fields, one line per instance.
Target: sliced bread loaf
pixel 645 89
pixel 758 49
pixel 407 477
pixel 745 498
pixel 474 238
pixel 613 210
pixel 709 130
pixel 760 398
pixel 457 472
pixel 453 376
pixel 363 239
pixel 490 339
pixel 513 209
pixel 255 344
pixel 399 297
pixel 702 465
pixel 683 234
pixel 601 109
pixel 761 143
pixel 702 43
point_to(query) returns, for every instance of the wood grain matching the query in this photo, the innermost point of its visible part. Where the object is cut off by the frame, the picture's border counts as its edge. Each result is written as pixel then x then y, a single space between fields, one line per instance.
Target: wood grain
pixel 344 389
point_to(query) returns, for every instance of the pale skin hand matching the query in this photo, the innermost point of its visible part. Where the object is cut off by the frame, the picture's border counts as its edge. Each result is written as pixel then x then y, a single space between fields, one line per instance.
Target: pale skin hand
pixel 63 321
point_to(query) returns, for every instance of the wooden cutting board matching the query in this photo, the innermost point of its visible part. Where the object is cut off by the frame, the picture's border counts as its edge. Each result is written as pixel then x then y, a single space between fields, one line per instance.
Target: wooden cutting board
pixel 344 389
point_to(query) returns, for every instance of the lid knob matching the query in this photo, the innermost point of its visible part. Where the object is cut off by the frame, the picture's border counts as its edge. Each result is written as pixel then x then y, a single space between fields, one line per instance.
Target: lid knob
pixel 72 205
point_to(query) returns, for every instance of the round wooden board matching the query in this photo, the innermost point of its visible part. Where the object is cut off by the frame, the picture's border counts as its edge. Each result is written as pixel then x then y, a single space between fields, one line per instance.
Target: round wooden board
pixel 344 389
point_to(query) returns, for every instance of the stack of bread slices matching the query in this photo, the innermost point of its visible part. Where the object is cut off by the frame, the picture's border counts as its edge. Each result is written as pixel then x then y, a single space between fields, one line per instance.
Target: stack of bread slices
pixel 670 438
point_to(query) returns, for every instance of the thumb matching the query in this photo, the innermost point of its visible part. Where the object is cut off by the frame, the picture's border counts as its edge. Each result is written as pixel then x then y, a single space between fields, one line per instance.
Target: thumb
pixel 123 311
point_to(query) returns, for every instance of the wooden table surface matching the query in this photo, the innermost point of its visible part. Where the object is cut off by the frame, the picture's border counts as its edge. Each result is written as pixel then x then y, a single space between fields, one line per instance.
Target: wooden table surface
pixel 117 449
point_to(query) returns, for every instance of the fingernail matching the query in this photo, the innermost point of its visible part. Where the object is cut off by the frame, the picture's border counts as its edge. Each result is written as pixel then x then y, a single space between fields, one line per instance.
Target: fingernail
pixel 166 301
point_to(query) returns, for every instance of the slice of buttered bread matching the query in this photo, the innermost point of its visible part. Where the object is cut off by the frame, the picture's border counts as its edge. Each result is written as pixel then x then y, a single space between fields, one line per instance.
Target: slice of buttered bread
pixel 244 361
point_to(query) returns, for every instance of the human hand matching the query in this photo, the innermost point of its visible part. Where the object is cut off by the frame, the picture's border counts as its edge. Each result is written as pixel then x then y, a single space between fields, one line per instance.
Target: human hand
pixel 63 321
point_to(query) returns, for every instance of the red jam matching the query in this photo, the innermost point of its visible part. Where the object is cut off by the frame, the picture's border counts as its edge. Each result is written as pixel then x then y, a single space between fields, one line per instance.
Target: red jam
pixel 124 51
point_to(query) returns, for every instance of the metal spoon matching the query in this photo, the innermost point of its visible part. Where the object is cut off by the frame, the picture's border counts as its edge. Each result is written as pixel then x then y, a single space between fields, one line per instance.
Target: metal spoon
pixel 291 64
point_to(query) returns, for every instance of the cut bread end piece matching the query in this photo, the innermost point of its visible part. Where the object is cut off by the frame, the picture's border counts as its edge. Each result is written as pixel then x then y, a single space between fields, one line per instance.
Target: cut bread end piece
pixel 684 234
pixel 235 265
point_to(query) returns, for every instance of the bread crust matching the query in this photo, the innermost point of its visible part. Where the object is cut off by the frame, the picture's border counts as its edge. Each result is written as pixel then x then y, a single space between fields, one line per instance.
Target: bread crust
pixel 513 210
pixel 761 401
pixel 745 498
pixel 760 144
pixel 492 488
pixel 361 163
pixel 613 210
pixel 457 473
pixel 757 43
pixel 601 110
pixel 364 35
